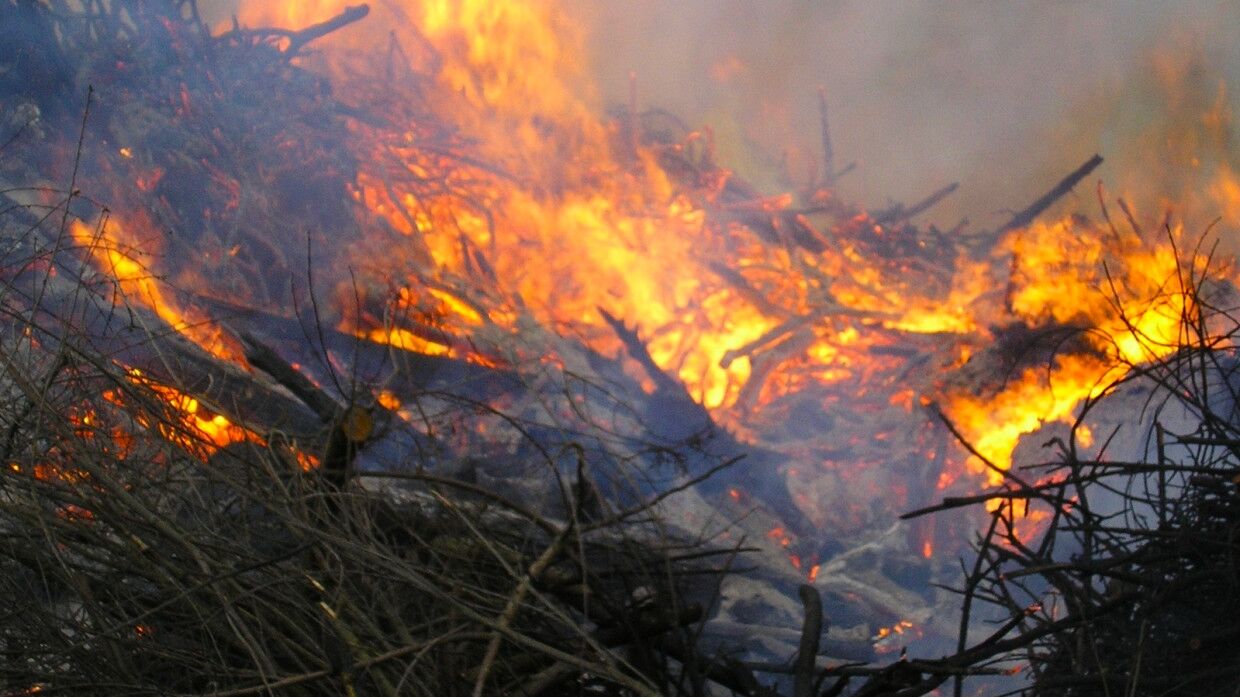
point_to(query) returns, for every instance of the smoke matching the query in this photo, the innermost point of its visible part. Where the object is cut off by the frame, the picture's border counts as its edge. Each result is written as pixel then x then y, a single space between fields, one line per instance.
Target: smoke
pixel 1004 97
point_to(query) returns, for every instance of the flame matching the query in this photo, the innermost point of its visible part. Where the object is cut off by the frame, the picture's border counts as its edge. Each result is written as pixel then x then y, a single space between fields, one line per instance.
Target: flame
pixel 586 226
pixel 583 215
pixel 116 253
pixel 196 429
pixel 546 211
pixel 887 639
pixel 1125 294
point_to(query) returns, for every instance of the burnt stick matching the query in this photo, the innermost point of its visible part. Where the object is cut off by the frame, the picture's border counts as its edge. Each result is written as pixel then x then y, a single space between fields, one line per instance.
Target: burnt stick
pixel 828 150
pixel 1036 208
pixel 811 634
pixel 350 15
pixel 917 208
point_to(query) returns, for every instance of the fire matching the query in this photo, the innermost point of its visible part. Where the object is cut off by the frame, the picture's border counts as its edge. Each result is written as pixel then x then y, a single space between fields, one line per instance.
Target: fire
pixel 581 214
pixel 135 284
pixel 1126 296
pixel 586 226
pixel 117 255
pixel 779 536
pixel 888 639
pixel 541 211
pixel 196 429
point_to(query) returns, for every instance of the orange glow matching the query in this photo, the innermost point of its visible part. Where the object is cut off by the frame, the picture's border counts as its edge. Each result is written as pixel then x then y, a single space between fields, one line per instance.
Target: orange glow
pixel 887 639
pixel 583 215
pixel 116 254
pixel 1084 436
pixel 306 461
pixel 198 429
pixel 387 400
pixel 780 537
pixel 545 212
pixel 1125 292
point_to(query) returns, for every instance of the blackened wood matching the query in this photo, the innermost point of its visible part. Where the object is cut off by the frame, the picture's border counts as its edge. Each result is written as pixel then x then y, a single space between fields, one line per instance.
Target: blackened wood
pixel 811 634
pixel 828 150
pixel 1036 208
pixel 348 16
pixel 265 359
pixel 901 214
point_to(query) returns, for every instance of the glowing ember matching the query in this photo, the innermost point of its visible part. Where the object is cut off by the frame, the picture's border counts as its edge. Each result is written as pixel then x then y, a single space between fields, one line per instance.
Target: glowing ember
pixel 892 638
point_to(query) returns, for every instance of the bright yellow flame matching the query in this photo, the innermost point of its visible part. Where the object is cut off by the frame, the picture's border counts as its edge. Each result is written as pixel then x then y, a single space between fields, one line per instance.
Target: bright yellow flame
pixel 579 215
pixel 1127 295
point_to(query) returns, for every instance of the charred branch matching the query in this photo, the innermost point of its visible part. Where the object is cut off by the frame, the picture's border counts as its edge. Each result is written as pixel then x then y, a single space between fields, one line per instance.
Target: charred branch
pixel 901 214
pixel 1033 210
pixel 828 149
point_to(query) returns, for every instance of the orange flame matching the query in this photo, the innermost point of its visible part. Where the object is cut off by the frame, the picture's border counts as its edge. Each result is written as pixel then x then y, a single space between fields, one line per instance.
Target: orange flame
pixel 573 212
pixel 117 255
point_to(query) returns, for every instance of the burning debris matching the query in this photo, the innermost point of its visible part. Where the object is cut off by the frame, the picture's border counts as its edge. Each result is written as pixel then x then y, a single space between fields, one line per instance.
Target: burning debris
pixel 419 334
pixel 1126 590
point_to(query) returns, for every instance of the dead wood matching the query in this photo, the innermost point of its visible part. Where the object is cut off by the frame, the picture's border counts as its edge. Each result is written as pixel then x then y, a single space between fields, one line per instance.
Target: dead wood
pixel 811 633
pixel 900 214
pixel 828 149
pixel 1026 216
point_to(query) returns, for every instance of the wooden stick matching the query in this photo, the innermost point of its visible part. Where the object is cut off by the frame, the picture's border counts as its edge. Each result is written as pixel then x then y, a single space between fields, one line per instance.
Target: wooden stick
pixel 1036 208
pixel 811 634
pixel 828 150
pixel 918 208
pixel 300 38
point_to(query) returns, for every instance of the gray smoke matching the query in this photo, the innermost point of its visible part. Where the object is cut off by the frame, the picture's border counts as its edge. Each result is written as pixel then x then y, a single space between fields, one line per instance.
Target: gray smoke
pixel 1005 97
